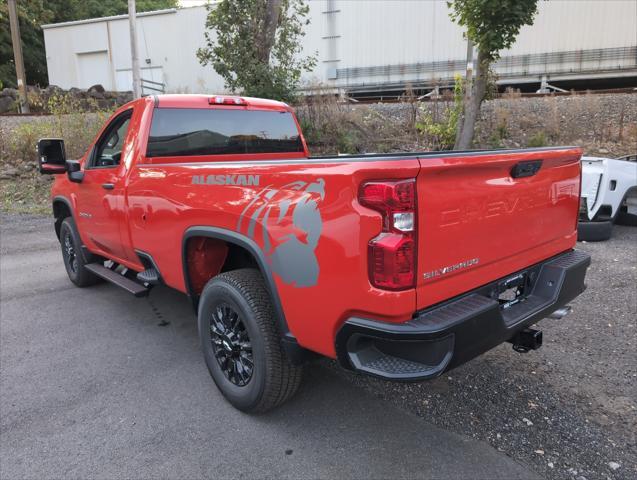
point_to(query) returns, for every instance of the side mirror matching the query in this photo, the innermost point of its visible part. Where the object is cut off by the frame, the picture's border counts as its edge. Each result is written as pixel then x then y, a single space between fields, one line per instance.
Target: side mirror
pixel 74 171
pixel 51 156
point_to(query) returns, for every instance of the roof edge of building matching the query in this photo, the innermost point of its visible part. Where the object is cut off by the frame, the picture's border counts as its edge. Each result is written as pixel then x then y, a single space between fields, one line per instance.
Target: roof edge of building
pixel 107 19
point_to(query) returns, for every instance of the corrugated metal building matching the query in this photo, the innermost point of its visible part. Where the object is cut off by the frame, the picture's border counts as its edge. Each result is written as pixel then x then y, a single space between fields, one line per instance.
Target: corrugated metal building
pixel 361 45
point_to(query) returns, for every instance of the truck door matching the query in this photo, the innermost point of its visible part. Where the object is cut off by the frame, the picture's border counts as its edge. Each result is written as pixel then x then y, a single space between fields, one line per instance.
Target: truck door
pixel 100 200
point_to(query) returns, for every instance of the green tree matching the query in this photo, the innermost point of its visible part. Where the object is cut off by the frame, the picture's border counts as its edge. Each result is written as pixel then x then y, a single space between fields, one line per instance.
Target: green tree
pixel 30 15
pixel 34 13
pixel 492 25
pixel 255 46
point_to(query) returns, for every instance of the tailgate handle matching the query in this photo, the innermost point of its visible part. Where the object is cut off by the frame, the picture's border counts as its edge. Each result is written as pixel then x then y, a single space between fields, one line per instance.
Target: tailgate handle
pixel 526 169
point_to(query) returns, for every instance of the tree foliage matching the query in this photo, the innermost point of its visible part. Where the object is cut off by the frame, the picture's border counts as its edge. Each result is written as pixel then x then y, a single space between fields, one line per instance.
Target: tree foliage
pixel 255 46
pixel 492 25
pixel 34 13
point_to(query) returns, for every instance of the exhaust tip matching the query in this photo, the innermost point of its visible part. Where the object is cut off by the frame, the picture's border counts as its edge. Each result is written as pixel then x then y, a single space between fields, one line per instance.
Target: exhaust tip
pixel 561 312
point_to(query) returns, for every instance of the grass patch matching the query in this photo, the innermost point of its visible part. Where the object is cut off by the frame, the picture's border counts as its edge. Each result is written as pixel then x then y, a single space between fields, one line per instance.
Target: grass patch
pixel 26 194
pixel 25 190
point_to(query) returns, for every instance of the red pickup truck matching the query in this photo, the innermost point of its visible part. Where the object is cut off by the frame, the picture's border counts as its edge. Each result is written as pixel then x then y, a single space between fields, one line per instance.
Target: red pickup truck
pixel 401 266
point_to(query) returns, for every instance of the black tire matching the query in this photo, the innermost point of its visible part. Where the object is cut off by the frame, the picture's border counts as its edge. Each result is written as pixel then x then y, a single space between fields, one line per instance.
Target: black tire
pixel 594 231
pixel 250 336
pixel 75 258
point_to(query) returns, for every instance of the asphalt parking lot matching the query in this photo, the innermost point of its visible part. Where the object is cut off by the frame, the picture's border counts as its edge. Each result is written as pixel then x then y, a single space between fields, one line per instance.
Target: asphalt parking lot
pixel 97 384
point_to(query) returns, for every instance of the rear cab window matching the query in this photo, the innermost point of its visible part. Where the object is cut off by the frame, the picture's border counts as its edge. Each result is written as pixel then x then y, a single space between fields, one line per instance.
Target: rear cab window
pixel 186 132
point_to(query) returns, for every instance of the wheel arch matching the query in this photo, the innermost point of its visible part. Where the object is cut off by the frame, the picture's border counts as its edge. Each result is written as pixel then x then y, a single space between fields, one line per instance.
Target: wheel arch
pixel 630 191
pixel 62 208
pixel 236 239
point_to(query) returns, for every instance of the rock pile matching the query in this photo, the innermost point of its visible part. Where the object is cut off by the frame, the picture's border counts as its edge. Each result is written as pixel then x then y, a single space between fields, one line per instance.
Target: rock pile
pixel 89 99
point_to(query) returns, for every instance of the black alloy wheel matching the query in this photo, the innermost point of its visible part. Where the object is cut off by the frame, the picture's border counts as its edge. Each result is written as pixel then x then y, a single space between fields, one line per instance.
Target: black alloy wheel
pixel 231 344
pixel 75 259
pixel 69 252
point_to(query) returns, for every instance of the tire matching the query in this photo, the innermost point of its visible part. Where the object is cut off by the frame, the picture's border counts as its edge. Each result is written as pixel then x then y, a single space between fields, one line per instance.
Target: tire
pixel 237 328
pixel 594 231
pixel 74 257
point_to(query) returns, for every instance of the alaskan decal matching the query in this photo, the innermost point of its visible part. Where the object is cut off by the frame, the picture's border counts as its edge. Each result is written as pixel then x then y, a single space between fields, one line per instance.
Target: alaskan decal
pixel 286 222
pixel 245 180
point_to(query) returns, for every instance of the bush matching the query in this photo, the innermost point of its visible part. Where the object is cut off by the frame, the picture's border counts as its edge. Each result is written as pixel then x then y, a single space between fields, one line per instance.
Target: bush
pixel 24 190
pixel 329 125
pixel 440 129
pixel 77 130
pixel 333 125
pixel 537 140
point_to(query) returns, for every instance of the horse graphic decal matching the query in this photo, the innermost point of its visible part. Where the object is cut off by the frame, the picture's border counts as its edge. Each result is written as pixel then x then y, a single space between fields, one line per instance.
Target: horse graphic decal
pixel 286 222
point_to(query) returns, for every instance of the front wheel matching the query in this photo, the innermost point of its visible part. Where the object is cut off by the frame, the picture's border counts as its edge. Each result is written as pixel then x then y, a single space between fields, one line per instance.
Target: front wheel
pixel 73 256
pixel 241 342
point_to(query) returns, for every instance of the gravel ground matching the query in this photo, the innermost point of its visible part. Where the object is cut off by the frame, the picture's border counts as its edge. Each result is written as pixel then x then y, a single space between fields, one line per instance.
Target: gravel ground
pixel 569 410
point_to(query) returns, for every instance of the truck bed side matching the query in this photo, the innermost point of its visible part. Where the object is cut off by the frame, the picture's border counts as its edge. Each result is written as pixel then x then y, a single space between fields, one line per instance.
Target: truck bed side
pixel 304 217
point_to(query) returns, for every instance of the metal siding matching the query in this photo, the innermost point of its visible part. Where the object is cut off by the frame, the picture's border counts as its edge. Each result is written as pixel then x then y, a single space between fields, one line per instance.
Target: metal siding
pixel 364 42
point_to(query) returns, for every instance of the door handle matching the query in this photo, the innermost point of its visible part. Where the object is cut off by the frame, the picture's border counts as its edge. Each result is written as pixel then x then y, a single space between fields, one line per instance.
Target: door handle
pixel 108 186
pixel 526 169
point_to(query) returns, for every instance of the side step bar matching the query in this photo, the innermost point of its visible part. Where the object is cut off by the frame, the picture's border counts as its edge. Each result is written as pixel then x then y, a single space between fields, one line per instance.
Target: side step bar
pixel 115 278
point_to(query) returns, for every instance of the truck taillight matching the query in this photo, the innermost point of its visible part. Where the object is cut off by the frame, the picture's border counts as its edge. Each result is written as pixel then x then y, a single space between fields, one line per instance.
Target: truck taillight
pixel 392 254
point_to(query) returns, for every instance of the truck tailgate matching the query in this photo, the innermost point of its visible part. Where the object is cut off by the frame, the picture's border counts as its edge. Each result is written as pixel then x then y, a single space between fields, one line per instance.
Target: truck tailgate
pixel 485 215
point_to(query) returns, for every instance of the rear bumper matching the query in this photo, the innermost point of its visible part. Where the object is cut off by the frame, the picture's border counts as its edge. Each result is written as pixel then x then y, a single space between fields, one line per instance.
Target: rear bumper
pixel 447 335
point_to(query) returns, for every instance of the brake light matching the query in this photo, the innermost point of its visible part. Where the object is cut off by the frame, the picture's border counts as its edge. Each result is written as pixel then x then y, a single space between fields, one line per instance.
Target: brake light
pixel 222 100
pixel 392 254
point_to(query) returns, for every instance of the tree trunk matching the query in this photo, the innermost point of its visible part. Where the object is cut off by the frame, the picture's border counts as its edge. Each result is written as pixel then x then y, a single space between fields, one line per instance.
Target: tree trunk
pixel 467 124
pixel 267 36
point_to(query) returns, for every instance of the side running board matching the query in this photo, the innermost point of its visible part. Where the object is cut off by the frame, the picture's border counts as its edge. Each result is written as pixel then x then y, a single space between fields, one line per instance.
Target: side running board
pixel 117 279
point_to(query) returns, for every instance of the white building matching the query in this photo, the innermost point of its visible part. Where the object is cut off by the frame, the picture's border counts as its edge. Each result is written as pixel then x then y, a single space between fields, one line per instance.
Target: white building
pixel 361 45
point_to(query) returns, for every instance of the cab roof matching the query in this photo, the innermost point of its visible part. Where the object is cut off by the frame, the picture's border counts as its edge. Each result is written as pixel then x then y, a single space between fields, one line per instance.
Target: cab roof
pixel 208 101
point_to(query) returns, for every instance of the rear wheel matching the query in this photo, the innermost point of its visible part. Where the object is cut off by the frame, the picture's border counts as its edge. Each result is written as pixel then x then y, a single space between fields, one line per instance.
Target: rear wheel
pixel 73 256
pixel 241 343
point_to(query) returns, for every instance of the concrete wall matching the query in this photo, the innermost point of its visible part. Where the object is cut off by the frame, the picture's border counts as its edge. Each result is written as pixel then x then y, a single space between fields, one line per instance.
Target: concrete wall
pixel 360 44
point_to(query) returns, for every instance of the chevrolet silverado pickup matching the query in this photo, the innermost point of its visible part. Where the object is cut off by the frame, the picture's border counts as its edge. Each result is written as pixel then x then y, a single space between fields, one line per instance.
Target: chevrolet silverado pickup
pixel 400 266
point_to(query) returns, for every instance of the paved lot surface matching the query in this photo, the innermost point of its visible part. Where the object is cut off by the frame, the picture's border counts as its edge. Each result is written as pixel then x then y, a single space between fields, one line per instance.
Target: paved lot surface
pixel 569 410
pixel 91 386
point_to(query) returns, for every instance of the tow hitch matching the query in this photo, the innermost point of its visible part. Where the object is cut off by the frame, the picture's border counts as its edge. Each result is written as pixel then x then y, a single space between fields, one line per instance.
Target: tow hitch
pixel 527 339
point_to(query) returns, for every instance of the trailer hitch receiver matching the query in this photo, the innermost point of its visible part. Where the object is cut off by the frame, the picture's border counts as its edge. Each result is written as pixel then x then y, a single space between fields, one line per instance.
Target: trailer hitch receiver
pixel 527 339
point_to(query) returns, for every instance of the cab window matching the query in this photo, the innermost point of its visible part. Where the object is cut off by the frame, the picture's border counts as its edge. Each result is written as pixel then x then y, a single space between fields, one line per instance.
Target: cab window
pixel 108 150
pixel 183 132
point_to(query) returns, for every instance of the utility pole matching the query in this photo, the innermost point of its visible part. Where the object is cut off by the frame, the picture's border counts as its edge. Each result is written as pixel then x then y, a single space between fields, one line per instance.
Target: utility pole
pixel 137 82
pixel 17 56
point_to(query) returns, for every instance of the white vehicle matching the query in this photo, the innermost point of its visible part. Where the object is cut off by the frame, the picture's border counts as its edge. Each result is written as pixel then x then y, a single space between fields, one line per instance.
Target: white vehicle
pixel 609 195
